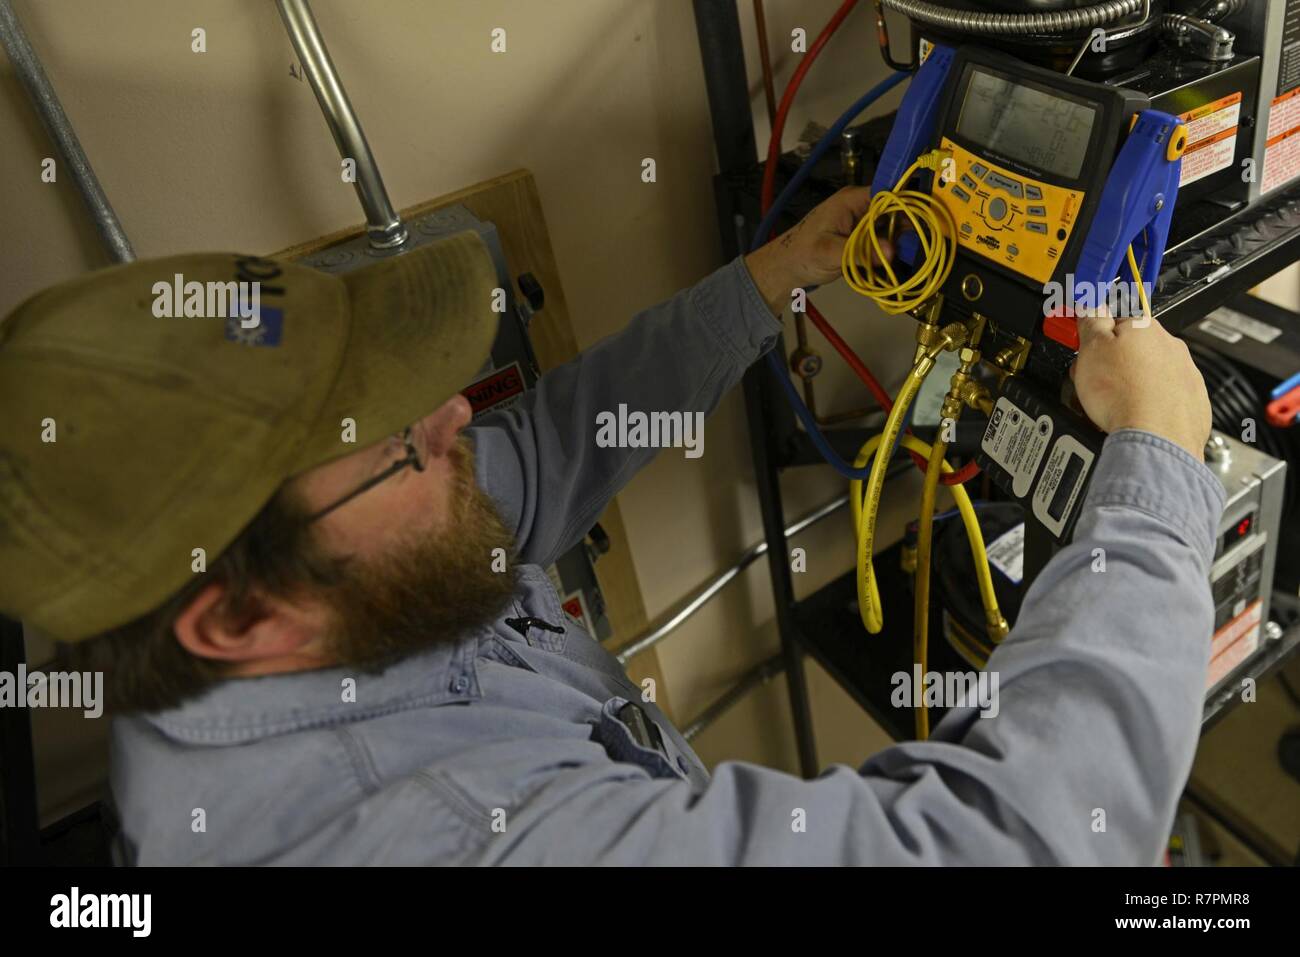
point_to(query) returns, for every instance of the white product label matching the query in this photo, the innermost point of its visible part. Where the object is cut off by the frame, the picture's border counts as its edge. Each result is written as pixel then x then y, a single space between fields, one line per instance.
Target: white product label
pixel 1007 553
pixel 1218 331
pixel 1017 443
pixel 1259 331
pixel 1062 482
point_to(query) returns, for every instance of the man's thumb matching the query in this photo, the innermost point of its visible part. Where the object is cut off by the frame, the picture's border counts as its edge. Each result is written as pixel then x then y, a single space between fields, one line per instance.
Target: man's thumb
pixel 1094 326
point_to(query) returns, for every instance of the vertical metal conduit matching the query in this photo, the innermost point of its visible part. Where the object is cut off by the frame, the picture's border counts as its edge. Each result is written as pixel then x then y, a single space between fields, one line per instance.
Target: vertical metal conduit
pixel 31 74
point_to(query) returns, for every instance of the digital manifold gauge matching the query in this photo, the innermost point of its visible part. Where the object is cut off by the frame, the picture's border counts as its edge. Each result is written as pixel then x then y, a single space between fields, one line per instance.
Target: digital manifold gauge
pixel 1051 179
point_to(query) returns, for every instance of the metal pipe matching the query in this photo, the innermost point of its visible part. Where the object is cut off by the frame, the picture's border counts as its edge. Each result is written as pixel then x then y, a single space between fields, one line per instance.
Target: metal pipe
pixel 715 585
pixel 27 65
pixel 765 61
pixel 1013 24
pixel 383 225
pixel 759 675
pixel 722 53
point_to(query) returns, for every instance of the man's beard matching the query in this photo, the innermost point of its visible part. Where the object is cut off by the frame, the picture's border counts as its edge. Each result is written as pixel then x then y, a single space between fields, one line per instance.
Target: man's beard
pixel 430 588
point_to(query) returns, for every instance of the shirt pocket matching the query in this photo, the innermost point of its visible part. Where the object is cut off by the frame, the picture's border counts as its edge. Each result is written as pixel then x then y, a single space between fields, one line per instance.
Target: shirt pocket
pixel 629 735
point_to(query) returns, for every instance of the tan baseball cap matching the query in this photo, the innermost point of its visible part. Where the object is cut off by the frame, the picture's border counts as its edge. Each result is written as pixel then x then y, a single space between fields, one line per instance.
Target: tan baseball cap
pixel 129 439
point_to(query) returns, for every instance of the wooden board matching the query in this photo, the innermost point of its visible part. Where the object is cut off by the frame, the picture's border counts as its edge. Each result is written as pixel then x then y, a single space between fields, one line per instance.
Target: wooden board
pixel 512 203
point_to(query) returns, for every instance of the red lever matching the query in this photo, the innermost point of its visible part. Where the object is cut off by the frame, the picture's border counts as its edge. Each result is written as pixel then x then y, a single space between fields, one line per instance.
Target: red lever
pixel 1284 410
pixel 1061 327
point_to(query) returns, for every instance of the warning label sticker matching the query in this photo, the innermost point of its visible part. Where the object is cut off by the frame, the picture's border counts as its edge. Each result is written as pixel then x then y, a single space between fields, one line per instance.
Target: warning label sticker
pixel 575 606
pixel 1211 119
pixel 1282 151
pixel 1017 443
pixel 1211 138
pixel 1234 643
pixel 499 389
pixel 1210 157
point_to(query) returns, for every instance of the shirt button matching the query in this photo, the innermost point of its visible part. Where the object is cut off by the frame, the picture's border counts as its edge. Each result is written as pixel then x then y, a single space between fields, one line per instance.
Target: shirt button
pixel 460 684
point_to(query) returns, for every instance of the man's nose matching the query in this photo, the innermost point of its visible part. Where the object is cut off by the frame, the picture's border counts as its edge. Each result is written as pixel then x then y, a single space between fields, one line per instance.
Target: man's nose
pixel 446 422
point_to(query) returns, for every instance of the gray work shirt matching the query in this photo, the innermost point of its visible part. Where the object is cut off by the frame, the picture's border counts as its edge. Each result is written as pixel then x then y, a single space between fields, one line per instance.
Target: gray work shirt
pixel 504 748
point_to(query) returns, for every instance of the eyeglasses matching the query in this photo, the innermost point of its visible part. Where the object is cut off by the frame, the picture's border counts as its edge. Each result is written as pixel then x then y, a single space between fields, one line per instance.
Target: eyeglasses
pixel 412 459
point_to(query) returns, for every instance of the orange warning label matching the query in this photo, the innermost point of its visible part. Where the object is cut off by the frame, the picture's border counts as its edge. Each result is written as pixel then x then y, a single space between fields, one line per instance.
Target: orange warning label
pixel 1282 152
pixel 1234 643
pixel 1212 118
pixel 1283 116
pixel 1211 138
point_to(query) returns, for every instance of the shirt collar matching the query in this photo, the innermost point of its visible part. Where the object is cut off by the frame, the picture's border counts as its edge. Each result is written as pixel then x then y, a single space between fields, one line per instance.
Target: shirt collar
pixel 239 710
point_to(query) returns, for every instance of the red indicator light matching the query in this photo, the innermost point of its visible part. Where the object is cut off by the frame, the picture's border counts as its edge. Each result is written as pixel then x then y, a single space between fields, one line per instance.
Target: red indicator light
pixel 1243 527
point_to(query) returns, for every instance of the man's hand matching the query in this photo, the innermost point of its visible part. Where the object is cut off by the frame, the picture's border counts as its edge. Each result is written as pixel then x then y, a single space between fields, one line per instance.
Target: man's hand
pixel 1143 378
pixel 809 253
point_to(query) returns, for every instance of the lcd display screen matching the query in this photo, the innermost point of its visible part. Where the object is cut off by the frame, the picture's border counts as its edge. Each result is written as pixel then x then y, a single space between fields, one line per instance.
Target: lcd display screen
pixel 1040 130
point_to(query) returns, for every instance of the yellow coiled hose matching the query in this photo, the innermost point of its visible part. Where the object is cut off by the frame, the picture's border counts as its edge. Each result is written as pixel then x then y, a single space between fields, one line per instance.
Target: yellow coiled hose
pixel 935 229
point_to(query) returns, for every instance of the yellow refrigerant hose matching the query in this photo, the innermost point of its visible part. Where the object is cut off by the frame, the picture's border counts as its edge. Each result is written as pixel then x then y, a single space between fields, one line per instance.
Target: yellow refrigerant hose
pixel 868 594
pixel 921 578
pixel 866 574
pixel 867 269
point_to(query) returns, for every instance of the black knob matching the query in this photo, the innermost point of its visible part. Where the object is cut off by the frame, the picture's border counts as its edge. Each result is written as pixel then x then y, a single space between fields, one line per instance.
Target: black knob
pixel 532 291
pixel 599 539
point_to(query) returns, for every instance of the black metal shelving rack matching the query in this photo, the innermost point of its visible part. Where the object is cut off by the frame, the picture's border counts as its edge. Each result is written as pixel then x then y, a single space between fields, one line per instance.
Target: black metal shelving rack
pixel 1255 243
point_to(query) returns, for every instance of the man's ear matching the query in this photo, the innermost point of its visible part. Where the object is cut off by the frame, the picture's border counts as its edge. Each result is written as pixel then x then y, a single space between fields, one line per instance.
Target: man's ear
pixel 268 632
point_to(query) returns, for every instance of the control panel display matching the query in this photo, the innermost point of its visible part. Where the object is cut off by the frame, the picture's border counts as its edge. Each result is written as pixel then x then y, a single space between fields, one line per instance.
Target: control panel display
pixel 1027 125
pixel 1010 219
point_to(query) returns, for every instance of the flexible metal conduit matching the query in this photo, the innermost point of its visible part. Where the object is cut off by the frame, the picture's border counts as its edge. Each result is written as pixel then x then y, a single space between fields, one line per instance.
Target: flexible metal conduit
pixel 1010 24
pixel 27 65
pixel 383 225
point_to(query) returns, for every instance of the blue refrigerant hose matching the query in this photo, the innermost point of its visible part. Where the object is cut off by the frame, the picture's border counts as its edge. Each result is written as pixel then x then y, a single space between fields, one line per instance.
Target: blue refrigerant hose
pixel 765 228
